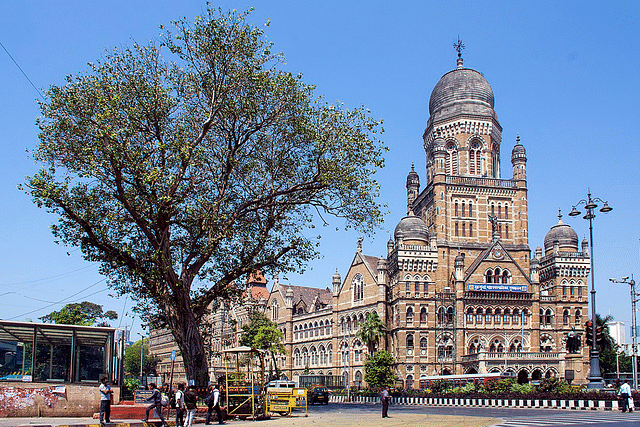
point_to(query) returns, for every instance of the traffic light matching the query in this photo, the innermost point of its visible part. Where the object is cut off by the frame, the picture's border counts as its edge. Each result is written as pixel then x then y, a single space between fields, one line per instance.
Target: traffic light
pixel 588 328
pixel 600 336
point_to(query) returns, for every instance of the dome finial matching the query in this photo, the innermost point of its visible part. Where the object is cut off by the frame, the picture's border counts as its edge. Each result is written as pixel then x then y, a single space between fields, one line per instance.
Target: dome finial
pixel 412 169
pixel 459 46
pixel 517 138
pixel 559 216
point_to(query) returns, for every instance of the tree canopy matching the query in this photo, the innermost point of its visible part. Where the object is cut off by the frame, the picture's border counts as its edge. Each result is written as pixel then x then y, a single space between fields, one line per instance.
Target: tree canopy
pixel 372 330
pixel 263 334
pixel 84 313
pixel 186 164
pixel 132 358
pixel 379 370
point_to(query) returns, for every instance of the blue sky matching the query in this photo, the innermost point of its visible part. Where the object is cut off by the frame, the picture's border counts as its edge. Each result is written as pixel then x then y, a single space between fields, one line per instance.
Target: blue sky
pixel 564 74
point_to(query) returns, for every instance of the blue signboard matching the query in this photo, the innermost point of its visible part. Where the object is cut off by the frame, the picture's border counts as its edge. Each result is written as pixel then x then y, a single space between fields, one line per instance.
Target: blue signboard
pixel 173 355
pixel 496 287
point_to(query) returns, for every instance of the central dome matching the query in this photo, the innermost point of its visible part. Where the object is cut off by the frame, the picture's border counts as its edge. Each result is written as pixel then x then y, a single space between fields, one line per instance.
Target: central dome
pixel 461 91
pixel 412 228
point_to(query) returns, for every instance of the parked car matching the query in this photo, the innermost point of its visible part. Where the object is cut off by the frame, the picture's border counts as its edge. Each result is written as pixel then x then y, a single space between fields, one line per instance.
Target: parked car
pixel 318 394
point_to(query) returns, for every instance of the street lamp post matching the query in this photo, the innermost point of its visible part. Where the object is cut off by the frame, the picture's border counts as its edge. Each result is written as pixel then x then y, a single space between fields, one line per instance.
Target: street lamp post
pixel 595 377
pixel 634 334
pixel 141 355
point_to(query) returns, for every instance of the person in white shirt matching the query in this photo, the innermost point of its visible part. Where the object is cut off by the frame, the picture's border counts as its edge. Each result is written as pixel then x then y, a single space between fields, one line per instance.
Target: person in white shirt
pixel 180 405
pixel 625 393
pixel 105 400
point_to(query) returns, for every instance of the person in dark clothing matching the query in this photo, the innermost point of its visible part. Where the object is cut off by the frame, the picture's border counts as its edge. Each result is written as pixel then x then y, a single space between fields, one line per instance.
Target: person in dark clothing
pixel 385 397
pixel 209 401
pixel 156 403
pixel 190 400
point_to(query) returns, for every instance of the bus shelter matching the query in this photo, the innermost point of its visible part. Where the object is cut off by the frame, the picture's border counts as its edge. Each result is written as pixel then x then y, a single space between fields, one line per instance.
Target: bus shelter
pixel 43 352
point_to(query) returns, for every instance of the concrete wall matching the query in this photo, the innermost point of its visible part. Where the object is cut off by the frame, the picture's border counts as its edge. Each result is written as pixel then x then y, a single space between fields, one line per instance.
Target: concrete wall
pixel 20 399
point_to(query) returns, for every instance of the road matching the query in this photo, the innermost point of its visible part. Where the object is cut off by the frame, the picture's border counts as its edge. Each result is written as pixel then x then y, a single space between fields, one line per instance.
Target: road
pixel 506 417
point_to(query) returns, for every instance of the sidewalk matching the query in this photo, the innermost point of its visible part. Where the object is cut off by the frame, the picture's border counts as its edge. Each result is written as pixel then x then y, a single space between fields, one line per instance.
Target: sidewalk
pixel 297 420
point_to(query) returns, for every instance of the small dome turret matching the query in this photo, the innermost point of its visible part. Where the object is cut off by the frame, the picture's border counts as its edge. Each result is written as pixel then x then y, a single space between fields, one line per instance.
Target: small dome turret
pixel 562 233
pixel 413 230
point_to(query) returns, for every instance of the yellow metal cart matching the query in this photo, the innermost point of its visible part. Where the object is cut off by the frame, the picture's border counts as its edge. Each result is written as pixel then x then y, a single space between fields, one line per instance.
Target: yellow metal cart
pixel 284 400
pixel 244 382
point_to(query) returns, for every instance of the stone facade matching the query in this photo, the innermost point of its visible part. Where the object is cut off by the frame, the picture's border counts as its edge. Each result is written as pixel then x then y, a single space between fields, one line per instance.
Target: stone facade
pixel 459 289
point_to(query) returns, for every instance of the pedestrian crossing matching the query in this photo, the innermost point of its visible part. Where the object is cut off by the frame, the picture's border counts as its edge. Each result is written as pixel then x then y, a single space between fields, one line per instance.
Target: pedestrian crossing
pixel 570 419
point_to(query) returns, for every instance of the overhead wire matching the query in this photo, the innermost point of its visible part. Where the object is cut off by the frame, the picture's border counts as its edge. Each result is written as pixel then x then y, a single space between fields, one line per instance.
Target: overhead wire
pixel 23 73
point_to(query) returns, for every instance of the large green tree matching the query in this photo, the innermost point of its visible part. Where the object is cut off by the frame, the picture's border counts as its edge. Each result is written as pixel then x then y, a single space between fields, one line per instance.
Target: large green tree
pixel 371 330
pixel 84 313
pixel 378 370
pixel 184 165
pixel 261 333
pixel 132 358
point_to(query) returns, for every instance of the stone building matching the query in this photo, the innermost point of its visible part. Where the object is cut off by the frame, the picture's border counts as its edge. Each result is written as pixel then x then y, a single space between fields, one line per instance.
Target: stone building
pixel 459 288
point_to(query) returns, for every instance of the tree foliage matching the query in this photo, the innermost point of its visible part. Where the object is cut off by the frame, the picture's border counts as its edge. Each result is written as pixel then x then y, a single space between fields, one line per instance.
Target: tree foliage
pixel 379 370
pixel 184 165
pixel 84 313
pixel 263 334
pixel 132 358
pixel 372 330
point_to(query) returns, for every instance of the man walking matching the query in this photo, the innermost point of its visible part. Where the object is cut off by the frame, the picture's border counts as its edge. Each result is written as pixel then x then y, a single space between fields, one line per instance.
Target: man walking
pixel 156 403
pixel 385 397
pixel 625 393
pixel 190 400
pixel 180 405
pixel 105 401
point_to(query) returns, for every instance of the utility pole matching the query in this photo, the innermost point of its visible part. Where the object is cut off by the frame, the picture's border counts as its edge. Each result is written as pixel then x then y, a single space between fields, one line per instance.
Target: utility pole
pixel 634 331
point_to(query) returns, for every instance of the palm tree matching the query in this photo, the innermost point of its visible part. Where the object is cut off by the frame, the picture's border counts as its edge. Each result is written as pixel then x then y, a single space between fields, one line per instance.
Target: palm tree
pixel 371 330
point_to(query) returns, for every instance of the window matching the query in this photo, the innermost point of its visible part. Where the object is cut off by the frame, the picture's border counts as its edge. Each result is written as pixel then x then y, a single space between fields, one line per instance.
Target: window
pixel 506 231
pixel 455 209
pixel 470 208
pixel 515 317
pixel 426 287
pixel 565 317
pixel 456 229
pixel 274 311
pixel 409 344
pixel 470 229
pixel 497 316
pixel 358 287
pixel 409 315
pixel 469 315
pixel 525 317
pixel 417 286
pixel 464 231
pixel 423 346
pixel 578 317
pixel 451 159
pixel 479 316
pixel 489 276
pixel 488 315
pixel 463 209
pixel 423 315
pixel 507 313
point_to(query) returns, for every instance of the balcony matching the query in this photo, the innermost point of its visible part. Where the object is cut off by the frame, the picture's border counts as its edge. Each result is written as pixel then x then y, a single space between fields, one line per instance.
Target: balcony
pixel 512 356
pixel 480 182
pixel 498 296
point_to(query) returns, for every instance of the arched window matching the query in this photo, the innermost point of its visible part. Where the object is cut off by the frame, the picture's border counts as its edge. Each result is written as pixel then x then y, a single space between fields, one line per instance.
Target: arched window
pixel 506 211
pixel 479 316
pixel 469 315
pixel 463 209
pixel 409 316
pixel 296 355
pixel 525 317
pixel 474 158
pixel 489 276
pixel 274 311
pixel 470 229
pixel 507 313
pixel 488 315
pixel 451 159
pixel 470 208
pixel 441 315
pixel 548 317
pixel 423 346
pixel 565 317
pixel 505 276
pixel 423 315
pixel 323 355
pixel 409 344
pixel 314 356
pixel 455 208
pixel 329 354
pixel 450 315
pixel 578 317
pixel 497 316
pixel 515 317
pixel 409 382
pixel 358 287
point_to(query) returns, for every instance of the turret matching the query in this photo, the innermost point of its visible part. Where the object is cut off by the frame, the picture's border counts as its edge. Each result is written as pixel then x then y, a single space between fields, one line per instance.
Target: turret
pixel 288 299
pixel 336 280
pixel 519 161
pixel 413 188
pixel 585 246
pixel 459 267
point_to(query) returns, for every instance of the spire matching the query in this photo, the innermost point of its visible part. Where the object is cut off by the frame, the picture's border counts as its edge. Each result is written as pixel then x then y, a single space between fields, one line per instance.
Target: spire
pixel 459 46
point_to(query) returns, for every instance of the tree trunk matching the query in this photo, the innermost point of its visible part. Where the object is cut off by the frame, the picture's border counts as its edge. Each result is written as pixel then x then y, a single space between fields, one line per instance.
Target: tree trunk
pixel 186 331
